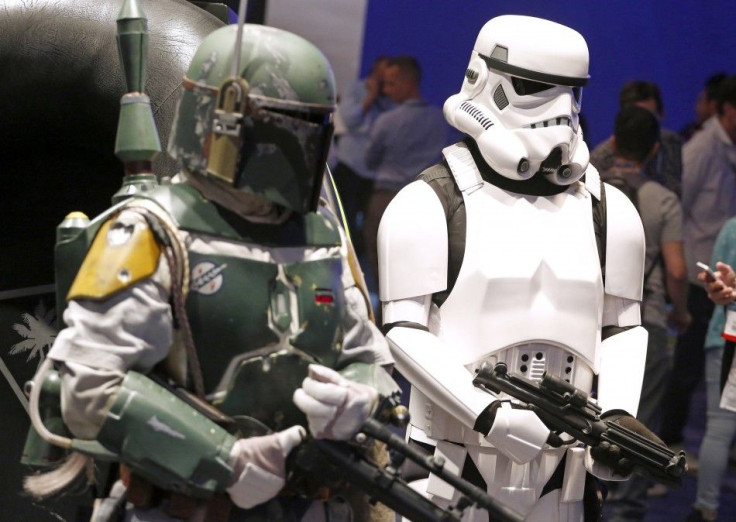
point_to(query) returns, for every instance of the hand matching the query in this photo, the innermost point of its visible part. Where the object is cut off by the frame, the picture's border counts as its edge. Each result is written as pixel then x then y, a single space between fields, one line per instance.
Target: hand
pixel 516 432
pixel 722 291
pixel 336 407
pixel 679 320
pixel 373 86
pixel 609 454
pixel 259 466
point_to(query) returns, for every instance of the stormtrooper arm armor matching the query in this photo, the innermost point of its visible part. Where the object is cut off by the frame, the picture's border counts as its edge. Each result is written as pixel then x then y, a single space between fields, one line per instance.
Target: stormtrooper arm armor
pixel 412 257
pixel 413 251
pixel 622 355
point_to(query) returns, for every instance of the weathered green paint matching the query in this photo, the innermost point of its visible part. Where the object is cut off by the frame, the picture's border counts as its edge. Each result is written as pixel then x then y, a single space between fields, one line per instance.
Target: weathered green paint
pixel 263 385
pixel 137 136
pixel 281 153
pixel 280 309
pixel 321 302
pixel 233 320
pixel 134 184
pixel 132 38
pixel 242 309
pixel 165 440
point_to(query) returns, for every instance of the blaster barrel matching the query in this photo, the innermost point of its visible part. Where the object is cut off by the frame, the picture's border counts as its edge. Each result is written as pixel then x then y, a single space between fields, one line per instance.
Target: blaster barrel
pixel 570 393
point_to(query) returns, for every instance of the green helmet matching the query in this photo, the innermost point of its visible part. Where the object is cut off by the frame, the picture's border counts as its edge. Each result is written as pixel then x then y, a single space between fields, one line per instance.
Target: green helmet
pixel 265 132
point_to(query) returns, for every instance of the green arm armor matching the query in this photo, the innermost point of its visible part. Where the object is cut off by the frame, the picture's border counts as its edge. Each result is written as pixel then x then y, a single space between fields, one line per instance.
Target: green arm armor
pixel 164 440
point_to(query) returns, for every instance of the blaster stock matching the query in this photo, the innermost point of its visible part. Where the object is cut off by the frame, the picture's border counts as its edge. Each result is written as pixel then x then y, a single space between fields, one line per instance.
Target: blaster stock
pixel 564 408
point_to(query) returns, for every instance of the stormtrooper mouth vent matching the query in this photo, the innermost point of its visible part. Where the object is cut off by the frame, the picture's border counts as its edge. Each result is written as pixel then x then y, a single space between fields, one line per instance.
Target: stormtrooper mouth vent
pixel 552 122
pixel 477 114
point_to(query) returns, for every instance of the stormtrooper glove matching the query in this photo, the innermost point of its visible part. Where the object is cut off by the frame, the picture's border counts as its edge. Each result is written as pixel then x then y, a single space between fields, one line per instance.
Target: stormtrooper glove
pixel 605 460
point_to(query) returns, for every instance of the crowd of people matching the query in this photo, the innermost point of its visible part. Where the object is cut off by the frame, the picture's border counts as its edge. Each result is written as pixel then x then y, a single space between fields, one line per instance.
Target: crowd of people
pixel 390 135
pixel 695 167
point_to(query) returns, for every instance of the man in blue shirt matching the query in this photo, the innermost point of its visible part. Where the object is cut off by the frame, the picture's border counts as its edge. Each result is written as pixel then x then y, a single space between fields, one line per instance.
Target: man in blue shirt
pixel 403 142
pixel 358 109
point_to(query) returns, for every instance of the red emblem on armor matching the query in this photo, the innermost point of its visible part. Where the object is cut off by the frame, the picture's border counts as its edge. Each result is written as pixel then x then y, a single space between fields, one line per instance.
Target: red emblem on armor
pixel 323 296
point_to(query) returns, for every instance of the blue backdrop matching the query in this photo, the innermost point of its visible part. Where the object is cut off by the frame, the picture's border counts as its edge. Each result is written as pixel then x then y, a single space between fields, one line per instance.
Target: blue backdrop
pixel 675 43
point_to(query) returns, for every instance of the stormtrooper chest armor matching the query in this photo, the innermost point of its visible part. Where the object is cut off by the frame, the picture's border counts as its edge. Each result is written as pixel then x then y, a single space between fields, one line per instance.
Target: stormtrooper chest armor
pixel 531 277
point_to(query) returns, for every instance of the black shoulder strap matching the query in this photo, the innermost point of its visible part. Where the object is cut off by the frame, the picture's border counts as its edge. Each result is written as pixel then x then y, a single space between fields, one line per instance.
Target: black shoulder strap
pixel 599 226
pixel 440 179
pixel 599 223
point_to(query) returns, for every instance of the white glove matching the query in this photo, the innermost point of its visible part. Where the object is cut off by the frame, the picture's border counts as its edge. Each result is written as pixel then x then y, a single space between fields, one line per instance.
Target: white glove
pixel 335 407
pixel 259 465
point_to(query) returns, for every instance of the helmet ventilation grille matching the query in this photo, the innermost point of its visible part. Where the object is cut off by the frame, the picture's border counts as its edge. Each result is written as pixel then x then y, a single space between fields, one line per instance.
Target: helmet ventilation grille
pixel 477 114
pixel 552 122
pixel 499 97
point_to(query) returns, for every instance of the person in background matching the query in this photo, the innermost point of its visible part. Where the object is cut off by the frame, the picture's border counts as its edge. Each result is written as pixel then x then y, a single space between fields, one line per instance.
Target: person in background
pixel 666 166
pixel 720 424
pixel 403 142
pixel 358 109
pixel 705 105
pixel 708 201
pixel 634 143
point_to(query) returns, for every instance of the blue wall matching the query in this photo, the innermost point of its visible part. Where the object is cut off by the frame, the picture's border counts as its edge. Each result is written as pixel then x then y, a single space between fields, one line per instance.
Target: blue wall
pixel 676 44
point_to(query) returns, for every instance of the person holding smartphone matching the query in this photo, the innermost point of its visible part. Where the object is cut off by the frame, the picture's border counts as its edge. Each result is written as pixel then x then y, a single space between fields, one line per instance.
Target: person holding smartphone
pixel 720 376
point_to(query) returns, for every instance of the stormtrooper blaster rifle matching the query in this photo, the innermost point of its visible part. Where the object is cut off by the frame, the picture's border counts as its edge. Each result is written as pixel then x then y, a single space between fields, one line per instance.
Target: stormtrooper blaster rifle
pixel 384 484
pixel 567 409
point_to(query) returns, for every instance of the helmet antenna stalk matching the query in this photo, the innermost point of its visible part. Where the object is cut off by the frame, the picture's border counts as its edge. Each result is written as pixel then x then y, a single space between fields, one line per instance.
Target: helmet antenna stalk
pixel 137 142
pixel 242 8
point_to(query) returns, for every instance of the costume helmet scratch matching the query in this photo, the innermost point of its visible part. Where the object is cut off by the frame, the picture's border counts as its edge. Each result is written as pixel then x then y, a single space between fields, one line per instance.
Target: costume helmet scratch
pixel 264 130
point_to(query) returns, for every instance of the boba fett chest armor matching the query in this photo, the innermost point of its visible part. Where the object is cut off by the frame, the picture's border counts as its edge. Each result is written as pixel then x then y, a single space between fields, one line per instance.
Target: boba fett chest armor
pixel 264 302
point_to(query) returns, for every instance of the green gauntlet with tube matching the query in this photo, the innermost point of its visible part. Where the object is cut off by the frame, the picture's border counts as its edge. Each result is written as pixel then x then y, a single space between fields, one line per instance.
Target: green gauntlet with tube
pixel 159 436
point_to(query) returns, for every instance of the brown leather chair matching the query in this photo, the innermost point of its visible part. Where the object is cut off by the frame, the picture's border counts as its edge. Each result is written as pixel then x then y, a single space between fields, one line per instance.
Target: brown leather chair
pixel 60 89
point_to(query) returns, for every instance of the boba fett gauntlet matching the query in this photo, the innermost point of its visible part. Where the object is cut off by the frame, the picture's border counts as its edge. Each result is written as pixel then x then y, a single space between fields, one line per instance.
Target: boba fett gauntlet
pixel 171 444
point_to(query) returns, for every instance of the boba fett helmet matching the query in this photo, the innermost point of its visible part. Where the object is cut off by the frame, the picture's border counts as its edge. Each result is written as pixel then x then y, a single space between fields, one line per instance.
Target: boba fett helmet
pixel 257 119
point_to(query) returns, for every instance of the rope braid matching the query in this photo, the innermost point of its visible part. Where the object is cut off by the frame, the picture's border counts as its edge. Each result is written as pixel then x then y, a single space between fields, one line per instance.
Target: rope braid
pixel 176 255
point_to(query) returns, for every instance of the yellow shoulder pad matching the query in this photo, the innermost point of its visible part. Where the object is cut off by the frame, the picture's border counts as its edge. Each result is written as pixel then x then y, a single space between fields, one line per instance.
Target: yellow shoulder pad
pixel 121 254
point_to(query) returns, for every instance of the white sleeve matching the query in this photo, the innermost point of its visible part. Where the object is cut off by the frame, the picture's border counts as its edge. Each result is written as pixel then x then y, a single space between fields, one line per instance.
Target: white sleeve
pixel 362 341
pixel 103 340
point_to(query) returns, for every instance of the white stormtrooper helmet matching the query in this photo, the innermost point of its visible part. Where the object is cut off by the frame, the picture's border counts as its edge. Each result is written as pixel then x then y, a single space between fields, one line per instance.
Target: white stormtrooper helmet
pixel 521 98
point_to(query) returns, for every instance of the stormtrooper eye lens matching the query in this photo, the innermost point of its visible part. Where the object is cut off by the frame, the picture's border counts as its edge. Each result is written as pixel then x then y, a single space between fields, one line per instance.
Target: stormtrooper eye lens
pixel 525 87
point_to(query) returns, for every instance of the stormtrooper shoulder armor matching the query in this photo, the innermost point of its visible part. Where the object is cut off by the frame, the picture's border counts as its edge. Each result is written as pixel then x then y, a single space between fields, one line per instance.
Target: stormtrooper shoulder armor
pixel 412 244
pixel 625 249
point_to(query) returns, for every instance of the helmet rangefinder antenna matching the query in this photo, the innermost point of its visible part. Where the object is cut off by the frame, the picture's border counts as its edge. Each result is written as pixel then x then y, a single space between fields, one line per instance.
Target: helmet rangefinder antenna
pixel 242 9
pixel 232 101
pixel 137 142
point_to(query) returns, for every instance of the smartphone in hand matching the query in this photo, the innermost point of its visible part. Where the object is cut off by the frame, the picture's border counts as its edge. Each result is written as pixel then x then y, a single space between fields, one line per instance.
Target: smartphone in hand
pixel 711 276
